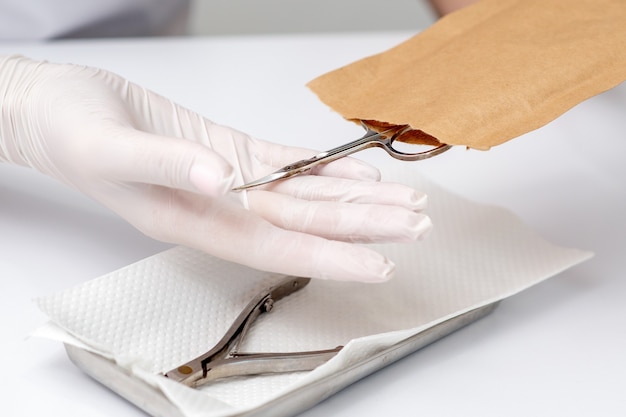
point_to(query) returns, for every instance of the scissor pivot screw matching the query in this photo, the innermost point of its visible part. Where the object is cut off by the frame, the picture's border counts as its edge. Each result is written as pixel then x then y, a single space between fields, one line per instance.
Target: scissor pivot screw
pixel 185 370
pixel 268 305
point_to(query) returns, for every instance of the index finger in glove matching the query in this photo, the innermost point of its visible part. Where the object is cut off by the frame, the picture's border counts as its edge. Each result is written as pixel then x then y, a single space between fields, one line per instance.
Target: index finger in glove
pixel 170 119
pixel 134 156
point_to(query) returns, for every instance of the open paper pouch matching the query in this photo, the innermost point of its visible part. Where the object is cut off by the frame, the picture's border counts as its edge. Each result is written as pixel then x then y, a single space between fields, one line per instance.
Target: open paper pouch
pixel 132 326
pixel 487 73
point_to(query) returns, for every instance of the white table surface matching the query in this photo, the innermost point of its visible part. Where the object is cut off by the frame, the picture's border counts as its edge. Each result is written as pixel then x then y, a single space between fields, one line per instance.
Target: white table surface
pixel 556 349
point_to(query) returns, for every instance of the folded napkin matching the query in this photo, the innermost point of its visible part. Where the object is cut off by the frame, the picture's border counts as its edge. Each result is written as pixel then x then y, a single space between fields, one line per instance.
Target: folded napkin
pixel 158 313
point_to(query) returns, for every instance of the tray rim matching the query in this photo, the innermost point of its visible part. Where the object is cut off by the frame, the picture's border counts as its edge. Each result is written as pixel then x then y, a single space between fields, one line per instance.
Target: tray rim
pixel 154 402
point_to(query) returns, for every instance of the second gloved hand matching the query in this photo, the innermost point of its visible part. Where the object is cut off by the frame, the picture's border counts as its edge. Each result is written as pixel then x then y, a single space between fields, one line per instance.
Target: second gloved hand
pixel 169 171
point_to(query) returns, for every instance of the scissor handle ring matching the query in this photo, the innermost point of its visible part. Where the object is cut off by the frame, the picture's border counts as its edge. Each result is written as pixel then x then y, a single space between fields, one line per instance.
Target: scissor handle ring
pixel 412 156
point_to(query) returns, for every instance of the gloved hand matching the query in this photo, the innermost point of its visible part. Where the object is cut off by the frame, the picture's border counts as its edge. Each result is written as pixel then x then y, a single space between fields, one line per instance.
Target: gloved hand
pixel 169 171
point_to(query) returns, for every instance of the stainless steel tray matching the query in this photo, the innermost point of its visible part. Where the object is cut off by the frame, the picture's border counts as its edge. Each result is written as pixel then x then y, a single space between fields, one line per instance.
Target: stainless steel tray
pixel 156 404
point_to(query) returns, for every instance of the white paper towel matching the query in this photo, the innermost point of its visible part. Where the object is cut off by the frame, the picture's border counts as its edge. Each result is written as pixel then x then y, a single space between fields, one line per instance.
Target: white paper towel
pixel 163 311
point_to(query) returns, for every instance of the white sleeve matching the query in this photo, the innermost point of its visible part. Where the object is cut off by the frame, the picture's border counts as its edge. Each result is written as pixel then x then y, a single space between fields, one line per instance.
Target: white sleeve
pixel 51 19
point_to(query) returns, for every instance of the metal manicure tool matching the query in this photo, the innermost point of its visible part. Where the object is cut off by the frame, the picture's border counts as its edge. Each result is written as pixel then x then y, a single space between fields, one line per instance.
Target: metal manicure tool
pixel 225 360
pixel 372 138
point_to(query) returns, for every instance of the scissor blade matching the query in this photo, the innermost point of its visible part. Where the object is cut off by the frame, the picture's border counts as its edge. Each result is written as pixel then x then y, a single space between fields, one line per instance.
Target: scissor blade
pixel 370 139
pixel 287 171
pixel 274 176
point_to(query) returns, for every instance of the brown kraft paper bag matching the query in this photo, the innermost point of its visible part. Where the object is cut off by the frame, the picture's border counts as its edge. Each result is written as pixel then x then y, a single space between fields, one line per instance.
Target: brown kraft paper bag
pixel 487 73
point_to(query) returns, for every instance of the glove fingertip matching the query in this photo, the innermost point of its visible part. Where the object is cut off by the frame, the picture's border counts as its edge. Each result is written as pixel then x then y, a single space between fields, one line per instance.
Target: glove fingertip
pixel 377 269
pixel 348 262
pixel 213 182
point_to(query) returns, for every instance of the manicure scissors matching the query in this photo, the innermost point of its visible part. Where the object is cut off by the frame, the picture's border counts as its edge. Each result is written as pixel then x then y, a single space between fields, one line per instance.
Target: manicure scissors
pixel 225 359
pixel 372 138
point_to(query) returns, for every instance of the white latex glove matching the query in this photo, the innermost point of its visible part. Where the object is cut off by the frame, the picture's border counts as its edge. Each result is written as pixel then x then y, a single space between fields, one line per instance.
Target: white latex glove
pixel 121 145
